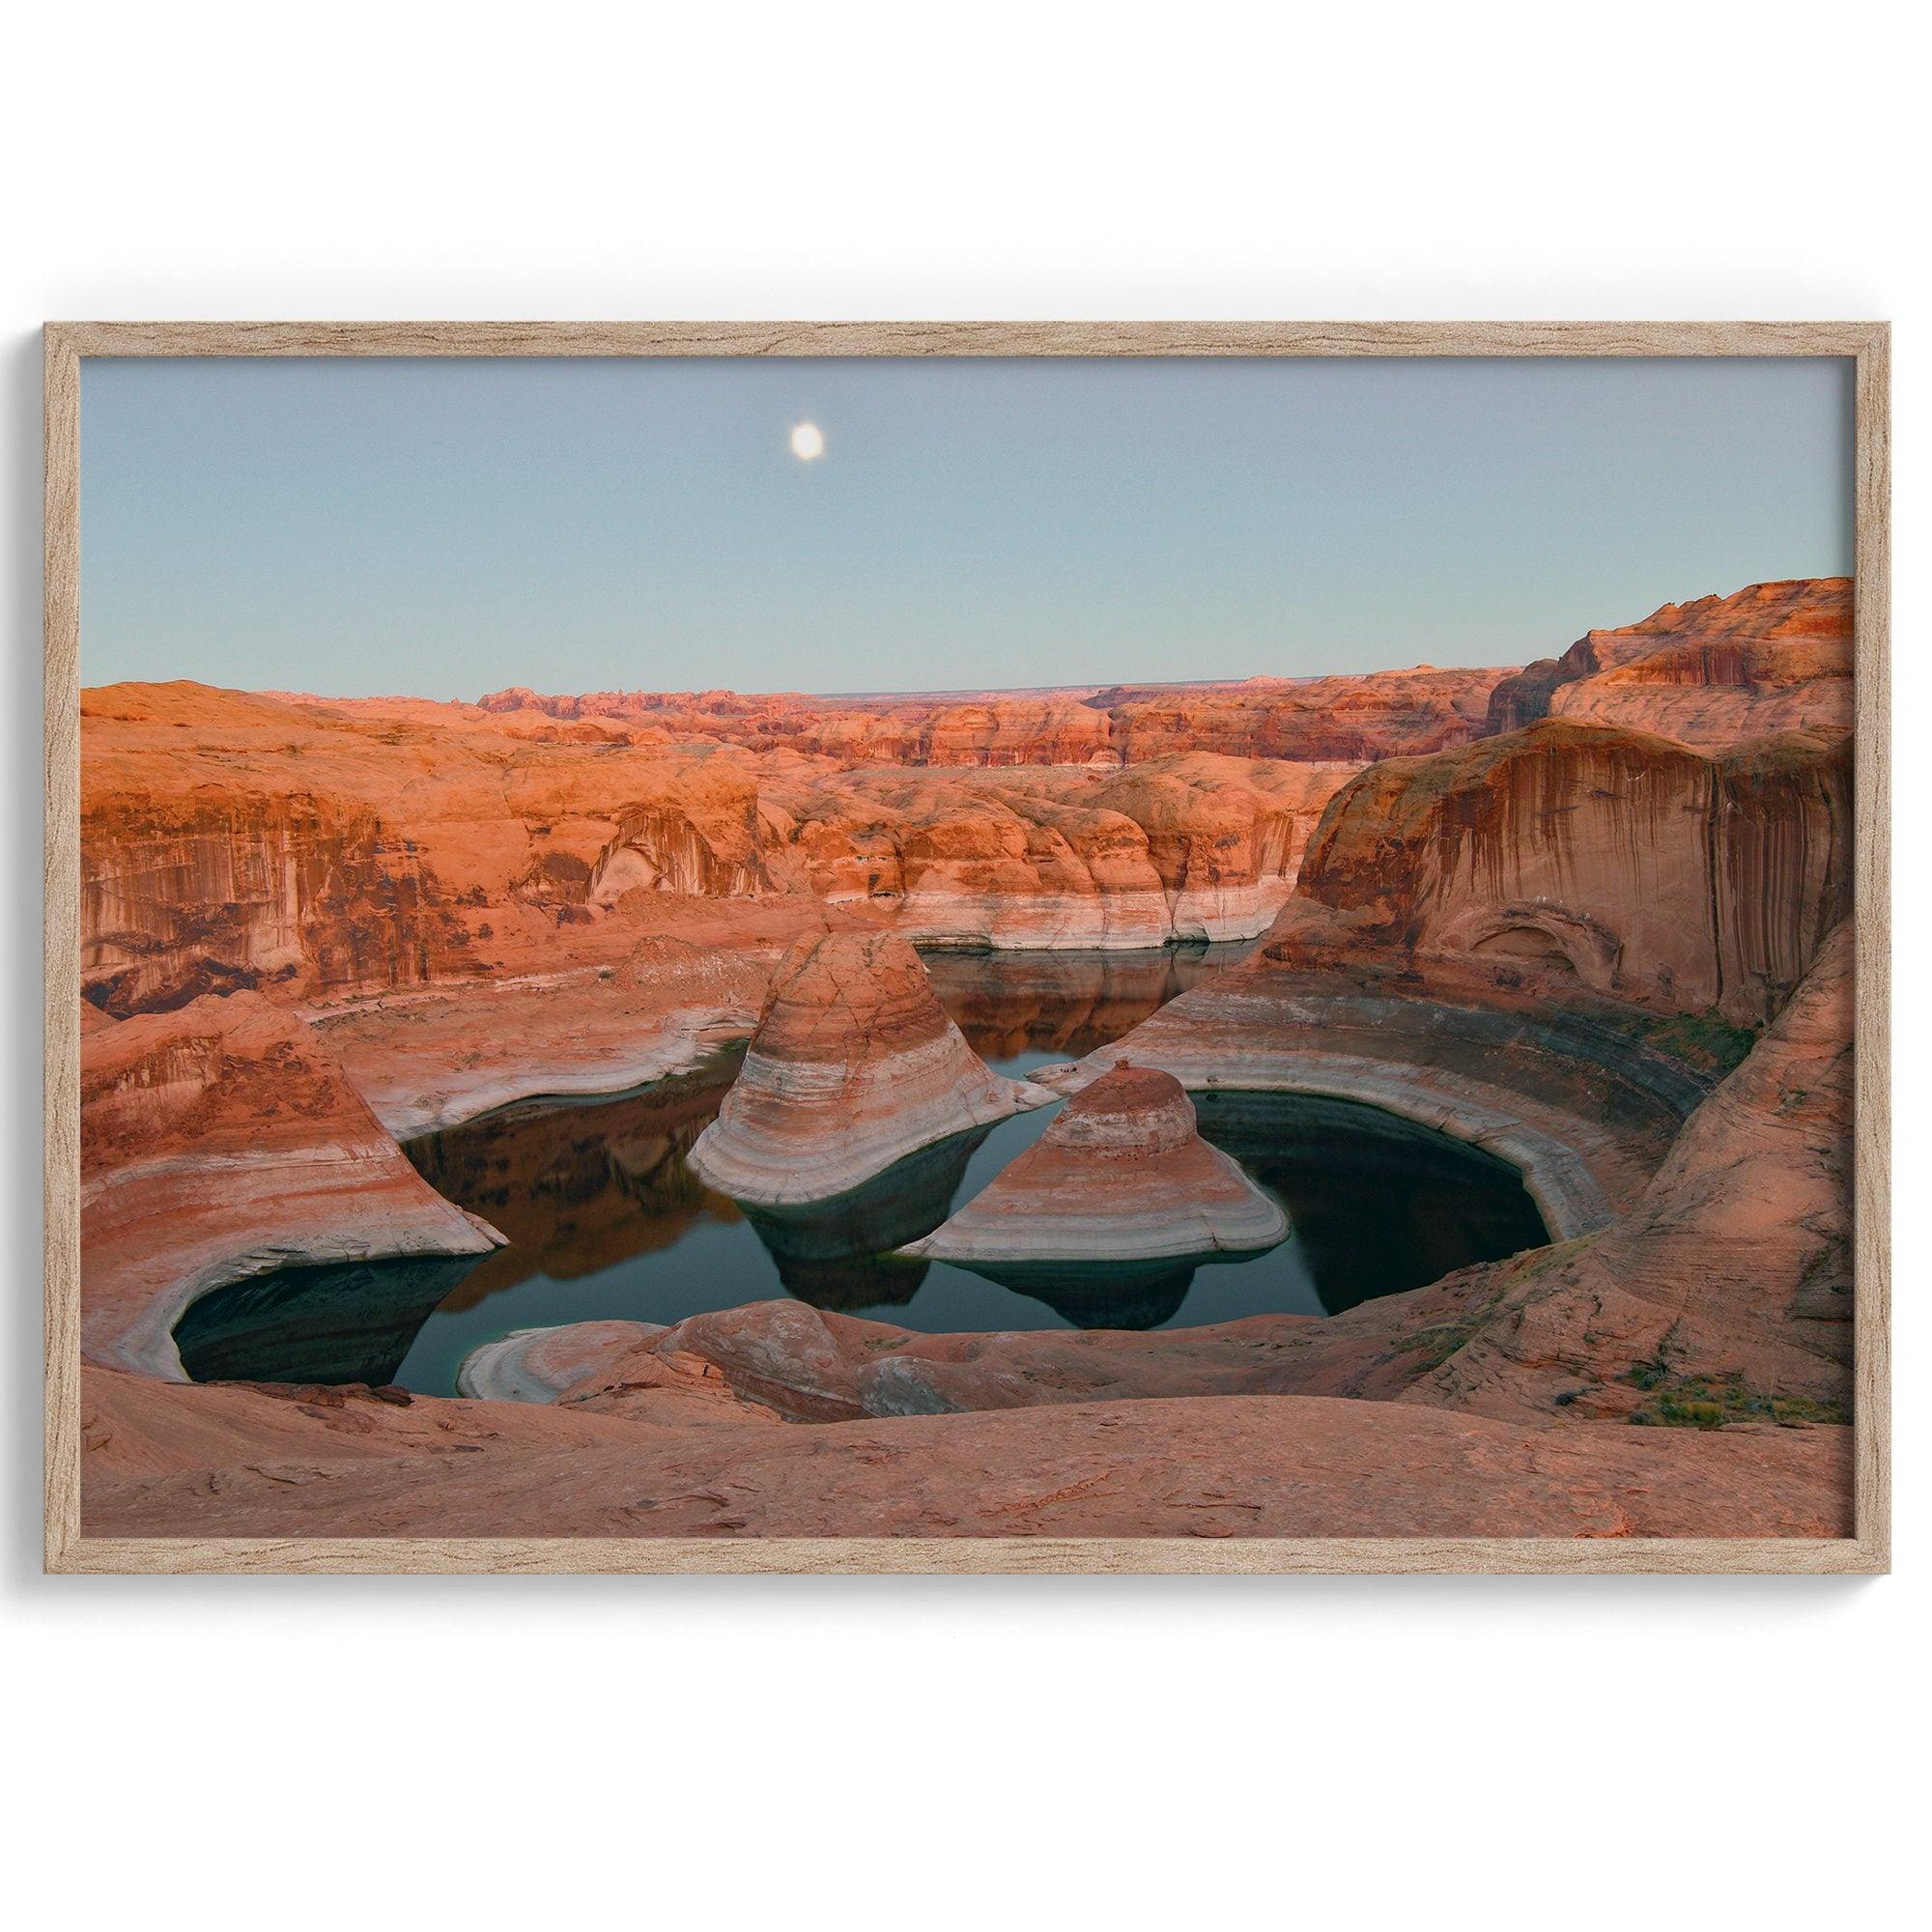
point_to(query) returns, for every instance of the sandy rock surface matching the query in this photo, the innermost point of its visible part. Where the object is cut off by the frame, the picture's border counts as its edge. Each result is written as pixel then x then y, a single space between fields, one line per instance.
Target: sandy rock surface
pixel 243 1461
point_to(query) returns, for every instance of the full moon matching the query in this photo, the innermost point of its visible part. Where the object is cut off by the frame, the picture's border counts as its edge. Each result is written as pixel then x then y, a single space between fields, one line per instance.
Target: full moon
pixel 807 441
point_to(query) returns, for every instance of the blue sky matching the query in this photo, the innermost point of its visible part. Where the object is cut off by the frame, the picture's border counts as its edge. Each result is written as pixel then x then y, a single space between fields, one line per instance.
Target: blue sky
pixel 353 527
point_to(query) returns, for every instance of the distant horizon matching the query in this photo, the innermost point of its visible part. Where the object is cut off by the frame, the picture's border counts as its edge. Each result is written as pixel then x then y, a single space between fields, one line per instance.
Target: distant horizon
pixel 441 529
pixel 938 691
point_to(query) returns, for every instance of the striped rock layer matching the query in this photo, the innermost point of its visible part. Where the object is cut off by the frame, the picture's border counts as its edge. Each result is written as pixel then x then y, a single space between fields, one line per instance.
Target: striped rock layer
pixel 1121 1175
pixel 854 1066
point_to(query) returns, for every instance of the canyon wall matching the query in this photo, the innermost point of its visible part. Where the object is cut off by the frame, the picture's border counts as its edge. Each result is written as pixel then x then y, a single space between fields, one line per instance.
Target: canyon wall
pixel 1189 847
pixel 309 850
pixel 1602 858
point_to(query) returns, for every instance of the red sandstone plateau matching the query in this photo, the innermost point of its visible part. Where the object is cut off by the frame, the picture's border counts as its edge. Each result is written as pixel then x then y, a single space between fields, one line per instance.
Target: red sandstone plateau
pixel 1590 915
pixel 1120 1175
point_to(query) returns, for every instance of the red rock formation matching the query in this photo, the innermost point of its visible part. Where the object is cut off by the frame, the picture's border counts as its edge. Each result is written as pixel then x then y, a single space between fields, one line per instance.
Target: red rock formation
pixel 853 1067
pixel 673 1387
pixel 317 849
pixel 476 903
pixel 1773 657
pixel 431 1057
pixel 1715 1303
pixel 1193 847
pixel 1602 859
pixel 219 1141
pixel 1347 719
pixel 1377 714
pixel 1120 1175
pixel 1729 1283
pixel 320 850
pixel 1584 1107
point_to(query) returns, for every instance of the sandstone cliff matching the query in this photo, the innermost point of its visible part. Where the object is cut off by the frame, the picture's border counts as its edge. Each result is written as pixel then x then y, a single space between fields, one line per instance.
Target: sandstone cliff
pixel 1355 717
pixel 1190 847
pixel 1603 859
pixel 310 850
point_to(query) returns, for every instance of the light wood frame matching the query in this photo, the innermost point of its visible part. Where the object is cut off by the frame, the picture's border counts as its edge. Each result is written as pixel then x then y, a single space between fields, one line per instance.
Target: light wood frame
pixel 1867 343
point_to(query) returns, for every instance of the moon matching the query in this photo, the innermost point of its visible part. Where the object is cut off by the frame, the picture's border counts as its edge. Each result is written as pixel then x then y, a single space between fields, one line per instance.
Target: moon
pixel 808 442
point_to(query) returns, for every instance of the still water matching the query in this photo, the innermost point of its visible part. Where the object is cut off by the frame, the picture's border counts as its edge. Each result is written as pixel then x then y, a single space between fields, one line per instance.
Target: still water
pixel 605 1219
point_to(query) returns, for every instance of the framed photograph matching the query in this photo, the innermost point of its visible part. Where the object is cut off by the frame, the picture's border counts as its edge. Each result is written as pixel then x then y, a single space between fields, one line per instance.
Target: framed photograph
pixel 1101 947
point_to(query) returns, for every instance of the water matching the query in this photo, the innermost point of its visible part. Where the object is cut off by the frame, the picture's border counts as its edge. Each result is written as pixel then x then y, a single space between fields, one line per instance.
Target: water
pixel 605 1219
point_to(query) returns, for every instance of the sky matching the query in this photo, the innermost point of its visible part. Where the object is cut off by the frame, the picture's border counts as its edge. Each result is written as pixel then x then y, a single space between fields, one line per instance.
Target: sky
pixel 357 527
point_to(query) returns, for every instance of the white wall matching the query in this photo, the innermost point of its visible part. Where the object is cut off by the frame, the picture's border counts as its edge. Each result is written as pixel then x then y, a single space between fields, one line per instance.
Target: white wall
pixel 1559 1753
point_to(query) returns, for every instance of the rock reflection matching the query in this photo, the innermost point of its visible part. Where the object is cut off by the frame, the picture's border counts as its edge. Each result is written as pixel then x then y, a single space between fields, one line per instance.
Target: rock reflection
pixel 1067 1003
pixel 1098 1294
pixel 350 1322
pixel 605 1221
pixel 579 1186
pixel 836 1254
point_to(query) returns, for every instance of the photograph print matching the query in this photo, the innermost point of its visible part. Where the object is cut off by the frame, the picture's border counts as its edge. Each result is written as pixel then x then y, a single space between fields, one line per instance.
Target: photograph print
pixel 918 953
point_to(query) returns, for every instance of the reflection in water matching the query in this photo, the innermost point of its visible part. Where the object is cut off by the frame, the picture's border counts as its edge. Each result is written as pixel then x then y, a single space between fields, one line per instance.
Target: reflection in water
pixel 1377 1204
pixel 352 1322
pixel 581 1187
pixel 1066 1003
pixel 838 1252
pixel 605 1220
pixel 1099 1294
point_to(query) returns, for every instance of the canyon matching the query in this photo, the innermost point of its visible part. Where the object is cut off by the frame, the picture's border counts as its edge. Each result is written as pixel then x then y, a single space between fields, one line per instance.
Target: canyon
pixel 1589 918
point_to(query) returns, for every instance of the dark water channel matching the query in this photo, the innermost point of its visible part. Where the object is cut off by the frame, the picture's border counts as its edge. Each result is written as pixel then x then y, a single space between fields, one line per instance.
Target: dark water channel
pixel 605 1219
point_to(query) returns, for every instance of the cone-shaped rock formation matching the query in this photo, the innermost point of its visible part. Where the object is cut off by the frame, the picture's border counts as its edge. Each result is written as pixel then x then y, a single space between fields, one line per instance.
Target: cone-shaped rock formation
pixel 854 1066
pixel 1121 1175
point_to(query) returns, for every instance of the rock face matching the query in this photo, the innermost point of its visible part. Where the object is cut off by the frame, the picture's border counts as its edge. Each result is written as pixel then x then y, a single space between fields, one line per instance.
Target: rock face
pixel 854 1066
pixel 1379 714
pixel 1729 1281
pixel 1714 1309
pixel 1602 859
pixel 434 1057
pixel 220 1141
pixel 320 851
pixel 1192 848
pixel 1770 658
pixel 1120 1175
